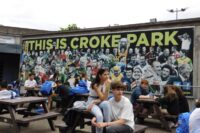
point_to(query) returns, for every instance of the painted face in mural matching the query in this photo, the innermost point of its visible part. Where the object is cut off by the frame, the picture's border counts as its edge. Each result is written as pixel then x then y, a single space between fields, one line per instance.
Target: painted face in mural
pixel 144 49
pixel 89 72
pixel 158 49
pixel 165 73
pixel 166 52
pixel 142 61
pixel 171 60
pixel 107 51
pixel 137 51
pixel 94 63
pixel 137 73
pixel 123 44
pixel 151 49
pixel 129 73
pixel 116 70
pixel 133 60
pixel 157 67
pixel 88 50
pixel 130 51
pixel 115 51
pixel 185 71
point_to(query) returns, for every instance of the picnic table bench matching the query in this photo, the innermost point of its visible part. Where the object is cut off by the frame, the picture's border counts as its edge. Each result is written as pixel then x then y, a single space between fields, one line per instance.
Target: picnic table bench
pixel 28 115
pixel 156 115
pixel 70 100
pixel 84 114
pixel 138 128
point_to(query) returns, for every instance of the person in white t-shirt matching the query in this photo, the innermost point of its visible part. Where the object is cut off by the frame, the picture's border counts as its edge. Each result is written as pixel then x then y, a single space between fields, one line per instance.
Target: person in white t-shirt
pixel 122 117
pixel 30 85
pixel 194 119
pixel 5 94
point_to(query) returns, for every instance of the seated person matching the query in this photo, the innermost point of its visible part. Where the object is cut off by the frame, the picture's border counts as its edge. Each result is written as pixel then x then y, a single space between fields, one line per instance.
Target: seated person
pixel 122 117
pixel 16 86
pixel 5 94
pixel 97 102
pixel 61 92
pixel 183 103
pixel 141 92
pixel 194 119
pixel 169 102
pixel 30 85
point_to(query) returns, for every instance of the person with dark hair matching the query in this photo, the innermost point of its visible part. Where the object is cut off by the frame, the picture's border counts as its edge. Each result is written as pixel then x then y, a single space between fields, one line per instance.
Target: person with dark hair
pixel 122 117
pixel 5 94
pixel 183 103
pixel 30 85
pixel 170 101
pixel 128 79
pixel 163 57
pixel 166 72
pixel 97 102
pixel 194 119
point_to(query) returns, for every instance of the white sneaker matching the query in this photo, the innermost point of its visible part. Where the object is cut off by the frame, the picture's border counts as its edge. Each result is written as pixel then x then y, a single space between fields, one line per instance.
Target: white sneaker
pixel 171 124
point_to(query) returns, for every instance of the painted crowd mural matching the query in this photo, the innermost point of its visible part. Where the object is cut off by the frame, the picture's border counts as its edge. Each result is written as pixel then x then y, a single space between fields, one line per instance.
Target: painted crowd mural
pixel 162 56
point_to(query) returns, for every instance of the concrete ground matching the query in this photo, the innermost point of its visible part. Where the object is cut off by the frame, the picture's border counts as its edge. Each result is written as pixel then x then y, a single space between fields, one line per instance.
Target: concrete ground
pixel 43 127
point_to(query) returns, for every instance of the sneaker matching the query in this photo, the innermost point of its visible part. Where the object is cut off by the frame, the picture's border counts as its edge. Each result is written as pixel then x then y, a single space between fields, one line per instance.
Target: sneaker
pixel 171 124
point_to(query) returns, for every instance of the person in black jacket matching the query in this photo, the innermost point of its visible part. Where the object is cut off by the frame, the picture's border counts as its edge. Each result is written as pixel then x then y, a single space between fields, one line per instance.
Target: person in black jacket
pixel 183 103
pixel 170 101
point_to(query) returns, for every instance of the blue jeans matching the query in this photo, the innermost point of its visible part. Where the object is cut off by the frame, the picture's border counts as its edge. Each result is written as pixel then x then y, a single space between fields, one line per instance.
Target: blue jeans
pixel 102 113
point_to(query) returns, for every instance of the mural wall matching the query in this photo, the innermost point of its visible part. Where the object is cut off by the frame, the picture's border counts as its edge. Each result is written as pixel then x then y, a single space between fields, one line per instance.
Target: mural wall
pixel 163 56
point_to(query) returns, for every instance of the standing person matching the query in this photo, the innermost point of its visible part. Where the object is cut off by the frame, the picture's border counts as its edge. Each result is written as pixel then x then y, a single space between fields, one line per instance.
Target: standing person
pixel 194 119
pixel 30 85
pixel 98 95
pixel 122 117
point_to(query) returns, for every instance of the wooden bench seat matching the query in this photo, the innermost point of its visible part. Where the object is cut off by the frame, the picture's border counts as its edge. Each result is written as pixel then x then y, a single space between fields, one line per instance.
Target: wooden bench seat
pixel 138 128
pixel 51 115
pixel 18 110
pixel 171 116
pixel 62 127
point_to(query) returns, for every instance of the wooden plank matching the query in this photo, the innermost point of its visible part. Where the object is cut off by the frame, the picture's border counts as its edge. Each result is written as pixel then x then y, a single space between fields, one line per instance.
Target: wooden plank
pixel 61 125
pixel 38 117
pixel 21 100
pixel 140 128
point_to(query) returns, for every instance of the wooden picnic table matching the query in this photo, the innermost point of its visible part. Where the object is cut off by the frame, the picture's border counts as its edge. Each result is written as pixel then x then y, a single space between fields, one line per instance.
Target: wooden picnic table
pixel 32 91
pixel 157 114
pixel 29 116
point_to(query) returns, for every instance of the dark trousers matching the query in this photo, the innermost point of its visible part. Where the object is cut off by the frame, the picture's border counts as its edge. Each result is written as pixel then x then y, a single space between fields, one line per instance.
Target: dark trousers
pixel 119 129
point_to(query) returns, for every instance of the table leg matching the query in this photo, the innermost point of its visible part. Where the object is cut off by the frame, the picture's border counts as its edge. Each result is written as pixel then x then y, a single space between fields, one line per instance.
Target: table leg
pixel 13 118
pixel 51 124
pixel 162 118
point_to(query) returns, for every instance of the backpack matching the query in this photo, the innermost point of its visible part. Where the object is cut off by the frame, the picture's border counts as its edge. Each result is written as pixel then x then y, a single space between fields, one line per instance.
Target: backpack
pixel 46 88
pixel 71 115
pixel 80 89
pixel 183 123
